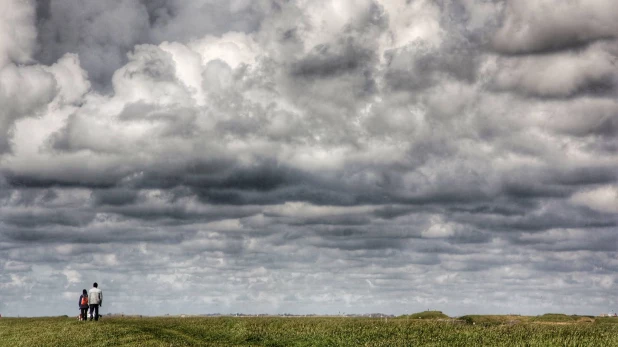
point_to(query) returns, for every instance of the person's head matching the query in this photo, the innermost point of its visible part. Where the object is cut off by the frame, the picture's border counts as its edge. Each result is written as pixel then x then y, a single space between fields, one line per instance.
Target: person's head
pixel 84 292
pixel 95 285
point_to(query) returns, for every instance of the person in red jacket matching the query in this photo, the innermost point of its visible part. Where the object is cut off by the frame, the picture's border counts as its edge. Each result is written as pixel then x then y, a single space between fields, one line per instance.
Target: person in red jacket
pixel 83 305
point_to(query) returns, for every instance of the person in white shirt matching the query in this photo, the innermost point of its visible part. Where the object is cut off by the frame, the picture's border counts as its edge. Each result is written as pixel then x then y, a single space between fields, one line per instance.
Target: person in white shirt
pixel 95 300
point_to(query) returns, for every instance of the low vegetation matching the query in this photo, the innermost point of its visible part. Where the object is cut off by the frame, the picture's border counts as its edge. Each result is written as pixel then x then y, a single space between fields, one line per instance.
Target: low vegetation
pixel 562 318
pixel 550 318
pixel 427 315
pixel 494 319
pixel 606 320
pixel 310 331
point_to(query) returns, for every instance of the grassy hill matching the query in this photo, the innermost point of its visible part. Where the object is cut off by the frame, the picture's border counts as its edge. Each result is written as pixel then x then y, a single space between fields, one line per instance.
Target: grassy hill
pixel 561 318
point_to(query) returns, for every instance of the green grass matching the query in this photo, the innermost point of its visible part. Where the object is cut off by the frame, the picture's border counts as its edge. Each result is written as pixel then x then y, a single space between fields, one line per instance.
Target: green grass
pixel 311 331
pixel 606 320
pixel 557 318
pixel 549 318
pixel 488 320
pixel 427 315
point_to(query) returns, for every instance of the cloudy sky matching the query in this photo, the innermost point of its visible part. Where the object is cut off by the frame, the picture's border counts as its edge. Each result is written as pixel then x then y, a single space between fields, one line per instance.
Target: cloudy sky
pixel 309 156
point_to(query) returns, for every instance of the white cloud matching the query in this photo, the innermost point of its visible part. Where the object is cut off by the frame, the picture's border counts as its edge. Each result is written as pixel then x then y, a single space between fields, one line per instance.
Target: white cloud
pixel 310 156
pixel 17 31
pixel 603 199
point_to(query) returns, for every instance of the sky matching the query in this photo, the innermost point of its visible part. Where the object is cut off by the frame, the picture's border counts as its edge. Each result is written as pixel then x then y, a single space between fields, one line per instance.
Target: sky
pixel 309 156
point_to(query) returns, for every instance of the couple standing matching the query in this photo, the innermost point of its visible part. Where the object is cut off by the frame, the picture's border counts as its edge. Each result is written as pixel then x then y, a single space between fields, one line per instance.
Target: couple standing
pixel 91 299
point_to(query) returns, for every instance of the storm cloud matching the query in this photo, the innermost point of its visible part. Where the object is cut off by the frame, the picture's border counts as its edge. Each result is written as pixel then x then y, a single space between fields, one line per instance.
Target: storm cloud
pixel 309 156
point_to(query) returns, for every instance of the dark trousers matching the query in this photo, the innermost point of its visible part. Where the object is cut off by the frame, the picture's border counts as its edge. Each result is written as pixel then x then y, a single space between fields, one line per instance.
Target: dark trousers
pixel 84 313
pixel 95 308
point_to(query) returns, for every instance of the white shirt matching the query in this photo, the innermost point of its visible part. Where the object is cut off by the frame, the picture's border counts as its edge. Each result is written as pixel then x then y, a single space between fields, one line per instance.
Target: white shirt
pixel 95 296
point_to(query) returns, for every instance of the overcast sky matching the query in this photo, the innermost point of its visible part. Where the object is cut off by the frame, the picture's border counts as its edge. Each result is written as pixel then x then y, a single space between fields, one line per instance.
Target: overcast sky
pixel 310 156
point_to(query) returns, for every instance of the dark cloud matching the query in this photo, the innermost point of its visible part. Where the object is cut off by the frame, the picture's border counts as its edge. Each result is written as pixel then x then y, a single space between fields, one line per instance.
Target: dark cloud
pixel 562 74
pixel 114 196
pixel 99 180
pixel 63 233
pixel 183 20
pixel 28 219
pixel 538 26
pixel 419 66
pixel 322 62
pixel 547 217
pixel 101 34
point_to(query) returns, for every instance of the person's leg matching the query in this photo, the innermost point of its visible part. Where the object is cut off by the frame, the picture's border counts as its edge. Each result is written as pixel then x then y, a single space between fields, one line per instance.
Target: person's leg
pixel 84 314
pixel 96 312
pixel 91 309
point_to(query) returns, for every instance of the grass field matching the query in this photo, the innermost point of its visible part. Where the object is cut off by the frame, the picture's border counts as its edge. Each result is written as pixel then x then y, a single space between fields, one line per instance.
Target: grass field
pixel 310 331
